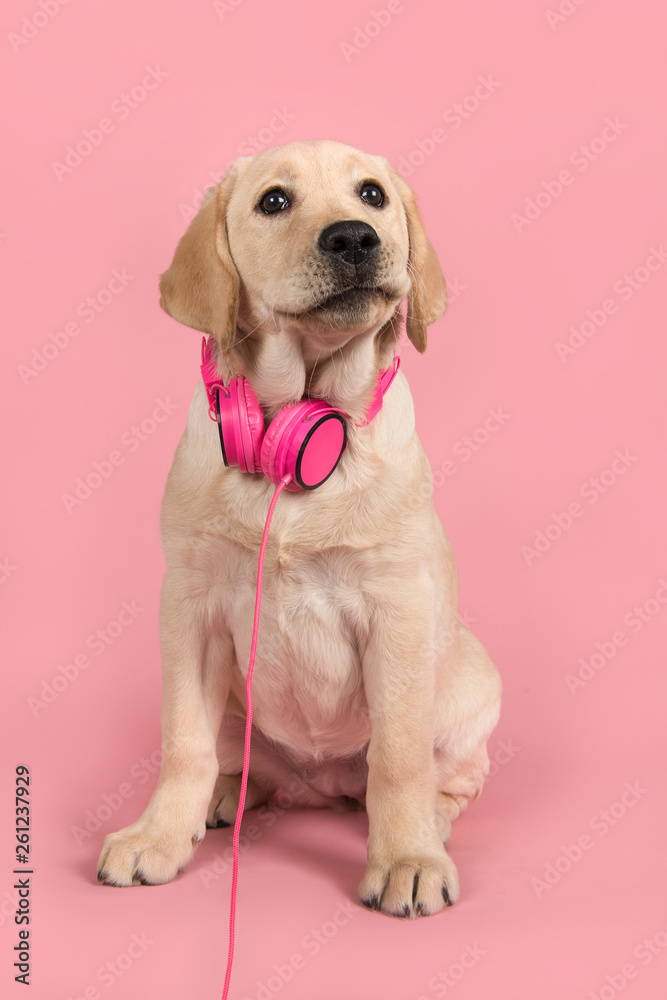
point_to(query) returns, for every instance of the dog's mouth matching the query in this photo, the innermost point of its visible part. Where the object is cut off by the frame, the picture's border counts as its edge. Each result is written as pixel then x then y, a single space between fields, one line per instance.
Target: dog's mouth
pixel 353 298
pixel 350 308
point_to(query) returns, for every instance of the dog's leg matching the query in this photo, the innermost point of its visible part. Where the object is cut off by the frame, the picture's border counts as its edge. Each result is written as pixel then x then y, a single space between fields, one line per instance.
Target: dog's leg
pixel 409 872
pixel 224 803
pixel 196 667
pixel 447 808
pixel 466 713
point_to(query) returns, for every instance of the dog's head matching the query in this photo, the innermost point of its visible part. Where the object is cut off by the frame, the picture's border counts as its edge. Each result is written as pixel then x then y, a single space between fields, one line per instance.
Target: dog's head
pixel 312 240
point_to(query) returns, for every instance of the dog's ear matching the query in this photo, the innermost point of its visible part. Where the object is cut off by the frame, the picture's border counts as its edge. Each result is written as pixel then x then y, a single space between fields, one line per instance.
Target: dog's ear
pixel 201 287
pixel 427 299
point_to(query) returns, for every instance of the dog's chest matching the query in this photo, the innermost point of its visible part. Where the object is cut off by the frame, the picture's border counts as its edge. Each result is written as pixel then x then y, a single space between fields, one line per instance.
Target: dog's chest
pixel 307 683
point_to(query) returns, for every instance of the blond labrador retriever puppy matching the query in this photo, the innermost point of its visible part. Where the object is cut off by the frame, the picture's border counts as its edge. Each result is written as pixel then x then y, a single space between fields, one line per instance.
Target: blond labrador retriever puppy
pixel 368 689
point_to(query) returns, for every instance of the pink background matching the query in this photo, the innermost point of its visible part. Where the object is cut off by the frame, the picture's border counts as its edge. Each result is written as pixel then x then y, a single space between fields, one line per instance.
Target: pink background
pixel 535 923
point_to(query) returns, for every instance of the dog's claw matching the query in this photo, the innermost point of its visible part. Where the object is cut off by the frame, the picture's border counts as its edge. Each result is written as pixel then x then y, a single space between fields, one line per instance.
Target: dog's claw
pixel 139 878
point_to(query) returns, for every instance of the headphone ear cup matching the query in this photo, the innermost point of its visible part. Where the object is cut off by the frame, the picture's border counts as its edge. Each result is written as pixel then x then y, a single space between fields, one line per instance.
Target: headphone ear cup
pixel 241 425
pixel 306 442
pixel 251 423
pixel 273 437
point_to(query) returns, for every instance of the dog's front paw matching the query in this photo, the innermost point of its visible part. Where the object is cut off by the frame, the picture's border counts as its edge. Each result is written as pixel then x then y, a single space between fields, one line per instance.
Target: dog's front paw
pixel 410 887
pixel 145 855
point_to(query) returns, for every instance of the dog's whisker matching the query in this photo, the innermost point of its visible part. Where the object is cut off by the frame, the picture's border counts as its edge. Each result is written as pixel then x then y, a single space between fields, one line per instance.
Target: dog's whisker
pixel 312 373
pixel 238 342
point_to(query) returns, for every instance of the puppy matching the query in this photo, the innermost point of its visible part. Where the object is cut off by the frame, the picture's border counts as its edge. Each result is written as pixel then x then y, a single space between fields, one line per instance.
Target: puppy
pixel 368 690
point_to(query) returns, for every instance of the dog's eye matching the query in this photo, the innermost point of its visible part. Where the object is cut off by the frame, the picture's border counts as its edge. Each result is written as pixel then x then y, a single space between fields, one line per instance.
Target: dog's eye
pixel 274 201
pixel 372 195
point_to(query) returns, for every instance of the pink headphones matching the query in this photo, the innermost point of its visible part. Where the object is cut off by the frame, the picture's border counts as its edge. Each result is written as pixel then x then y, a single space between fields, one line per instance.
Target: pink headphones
pixel 305 440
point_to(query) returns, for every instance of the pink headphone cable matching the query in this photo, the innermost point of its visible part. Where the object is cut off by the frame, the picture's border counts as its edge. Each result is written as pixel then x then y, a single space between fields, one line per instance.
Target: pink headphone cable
pixel 248 728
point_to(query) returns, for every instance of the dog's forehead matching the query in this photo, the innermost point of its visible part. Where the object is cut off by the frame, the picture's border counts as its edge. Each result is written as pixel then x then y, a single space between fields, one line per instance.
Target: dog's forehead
pixel 311 166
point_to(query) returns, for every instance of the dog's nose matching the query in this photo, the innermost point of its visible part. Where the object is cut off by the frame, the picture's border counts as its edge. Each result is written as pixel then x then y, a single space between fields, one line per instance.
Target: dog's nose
pixel 351 241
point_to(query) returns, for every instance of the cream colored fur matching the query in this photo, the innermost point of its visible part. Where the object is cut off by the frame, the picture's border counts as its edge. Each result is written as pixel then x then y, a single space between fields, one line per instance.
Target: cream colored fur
pixel 368 689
